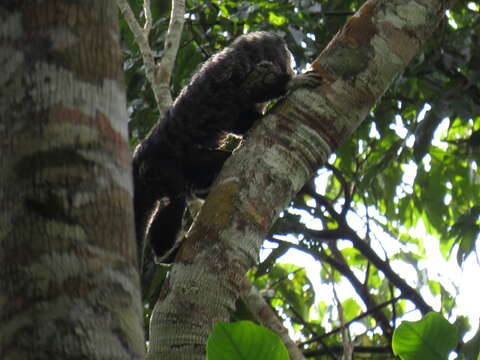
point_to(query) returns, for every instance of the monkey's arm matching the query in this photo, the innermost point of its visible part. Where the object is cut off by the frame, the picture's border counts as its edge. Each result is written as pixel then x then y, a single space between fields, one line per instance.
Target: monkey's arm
pixel 308 79
pixel 267 82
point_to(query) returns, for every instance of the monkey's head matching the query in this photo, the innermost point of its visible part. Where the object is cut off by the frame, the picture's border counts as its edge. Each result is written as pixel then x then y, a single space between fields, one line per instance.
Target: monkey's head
pixel 266 46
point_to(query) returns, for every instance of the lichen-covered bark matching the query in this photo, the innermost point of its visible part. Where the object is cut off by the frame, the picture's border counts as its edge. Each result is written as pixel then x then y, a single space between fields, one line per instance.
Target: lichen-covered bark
pixel 279 156
pixel 68 282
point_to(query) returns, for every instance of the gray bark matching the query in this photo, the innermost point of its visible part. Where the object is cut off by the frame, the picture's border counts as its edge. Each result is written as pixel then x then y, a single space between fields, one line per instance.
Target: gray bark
pixel 68 281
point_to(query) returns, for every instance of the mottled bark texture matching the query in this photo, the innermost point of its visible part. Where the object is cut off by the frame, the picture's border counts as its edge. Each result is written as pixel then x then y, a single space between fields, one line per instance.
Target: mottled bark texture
pixel 68 282
pixel 279 156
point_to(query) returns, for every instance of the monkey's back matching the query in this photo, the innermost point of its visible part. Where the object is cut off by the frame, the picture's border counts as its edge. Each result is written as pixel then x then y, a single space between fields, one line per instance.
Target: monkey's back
pixel 214 99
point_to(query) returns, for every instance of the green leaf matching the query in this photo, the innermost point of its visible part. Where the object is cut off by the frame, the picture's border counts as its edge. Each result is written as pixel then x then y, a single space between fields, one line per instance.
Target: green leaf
pixel 276 19
pixel 294 286
pixel 434 286
pixel 243 340
pixel 471 350
pixel 466 231
pixel 351 308
pixel 424 133
pixel 431 338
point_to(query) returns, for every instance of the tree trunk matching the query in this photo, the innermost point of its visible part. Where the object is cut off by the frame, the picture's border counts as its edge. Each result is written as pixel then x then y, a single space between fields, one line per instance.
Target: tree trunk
pixel 68 279
pixel 279 156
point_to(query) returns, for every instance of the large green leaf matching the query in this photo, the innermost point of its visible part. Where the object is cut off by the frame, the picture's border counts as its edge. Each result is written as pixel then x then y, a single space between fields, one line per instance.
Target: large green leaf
pixel 243 340
pixel 431 338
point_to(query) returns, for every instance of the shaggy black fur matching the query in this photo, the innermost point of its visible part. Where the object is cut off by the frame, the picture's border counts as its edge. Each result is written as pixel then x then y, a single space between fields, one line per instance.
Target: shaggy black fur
pixel 179 158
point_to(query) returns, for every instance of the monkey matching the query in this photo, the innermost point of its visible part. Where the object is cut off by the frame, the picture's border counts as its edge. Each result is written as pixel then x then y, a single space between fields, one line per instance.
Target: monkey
pixel 180 157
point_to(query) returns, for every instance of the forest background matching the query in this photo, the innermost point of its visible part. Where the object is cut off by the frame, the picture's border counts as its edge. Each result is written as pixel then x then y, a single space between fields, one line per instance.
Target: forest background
pixel 349 258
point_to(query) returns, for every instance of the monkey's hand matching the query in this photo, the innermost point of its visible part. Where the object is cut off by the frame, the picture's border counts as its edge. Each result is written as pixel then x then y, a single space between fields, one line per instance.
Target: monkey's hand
pixel 308 80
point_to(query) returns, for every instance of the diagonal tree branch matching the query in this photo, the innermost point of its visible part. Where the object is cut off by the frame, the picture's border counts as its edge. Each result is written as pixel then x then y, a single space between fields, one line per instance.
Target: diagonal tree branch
pixel 407 291
pixel 267 317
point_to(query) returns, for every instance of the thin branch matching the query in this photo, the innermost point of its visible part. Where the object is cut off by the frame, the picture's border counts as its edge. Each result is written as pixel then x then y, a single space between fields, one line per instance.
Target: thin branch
pixel 283 278
pixel 346 338
pixel 148 16
pixel 340 265
pixel 338 262
pixel 141 38
pixel 356 318
pixel 267 317
pixel 159 76
pixel 346 232
pixel 299 319
pixel 172 43
pixel 382 265
pixel 357 349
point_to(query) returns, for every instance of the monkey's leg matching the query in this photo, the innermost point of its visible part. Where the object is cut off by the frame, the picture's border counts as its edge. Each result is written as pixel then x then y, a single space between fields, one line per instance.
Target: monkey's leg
pixel 143 204
pixel 202 167
pixel 166 225
pixel 245 120
pixel 160 176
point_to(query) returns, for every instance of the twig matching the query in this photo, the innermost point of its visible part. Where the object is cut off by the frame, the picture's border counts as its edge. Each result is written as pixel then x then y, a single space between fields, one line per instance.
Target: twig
pixel 148 16
pixel 159 76
pixel 346 338
pixel 267 317
pixel 356 318
pixel 358 349
pixel 172 43
pixel 141 38
pixel 340 265
pixel 345 232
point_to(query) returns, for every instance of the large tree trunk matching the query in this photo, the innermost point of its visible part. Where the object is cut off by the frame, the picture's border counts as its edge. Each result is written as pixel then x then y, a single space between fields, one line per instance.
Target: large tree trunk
pixel 68 281
pixel 279 156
